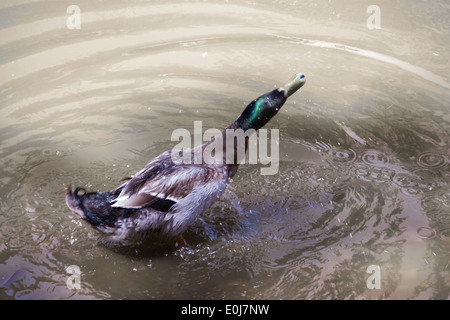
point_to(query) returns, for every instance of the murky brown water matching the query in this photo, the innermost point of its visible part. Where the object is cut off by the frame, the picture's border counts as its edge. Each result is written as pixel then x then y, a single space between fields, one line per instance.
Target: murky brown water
pixel 364 147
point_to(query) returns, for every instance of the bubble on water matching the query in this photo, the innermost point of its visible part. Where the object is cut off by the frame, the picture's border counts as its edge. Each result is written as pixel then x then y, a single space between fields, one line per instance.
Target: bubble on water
pixel 375 158
pixel 426 233
pixel 432 160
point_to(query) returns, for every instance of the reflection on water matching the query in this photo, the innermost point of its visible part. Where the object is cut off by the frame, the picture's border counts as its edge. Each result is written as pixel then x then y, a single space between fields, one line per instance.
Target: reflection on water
pixel 364 147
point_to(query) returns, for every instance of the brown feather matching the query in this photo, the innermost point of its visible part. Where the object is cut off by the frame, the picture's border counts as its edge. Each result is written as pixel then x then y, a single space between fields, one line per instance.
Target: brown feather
pixel 162 179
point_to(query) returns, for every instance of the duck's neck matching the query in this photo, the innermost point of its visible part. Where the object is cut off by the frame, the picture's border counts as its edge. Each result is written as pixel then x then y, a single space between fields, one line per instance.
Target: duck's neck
pixel 231 145
pixel 257 113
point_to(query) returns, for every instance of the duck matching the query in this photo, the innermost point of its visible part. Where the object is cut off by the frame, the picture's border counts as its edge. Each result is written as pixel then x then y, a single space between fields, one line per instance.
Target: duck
pixel 167 195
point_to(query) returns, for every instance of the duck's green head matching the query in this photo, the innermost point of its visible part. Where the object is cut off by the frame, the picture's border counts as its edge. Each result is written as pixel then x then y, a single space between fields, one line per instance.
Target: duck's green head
pixel 262 109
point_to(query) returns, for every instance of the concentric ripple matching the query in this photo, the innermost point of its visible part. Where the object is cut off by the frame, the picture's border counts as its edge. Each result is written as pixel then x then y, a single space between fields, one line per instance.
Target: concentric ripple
pixel 432 160
pixel 426 233
pixel 344 155
pixel 373 174
pixel 375 158
pixel 408 183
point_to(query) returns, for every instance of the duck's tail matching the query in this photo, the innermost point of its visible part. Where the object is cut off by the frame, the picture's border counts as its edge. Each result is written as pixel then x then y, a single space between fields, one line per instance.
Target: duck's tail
pixel 95 208
pixel 74 201
pixel 92 207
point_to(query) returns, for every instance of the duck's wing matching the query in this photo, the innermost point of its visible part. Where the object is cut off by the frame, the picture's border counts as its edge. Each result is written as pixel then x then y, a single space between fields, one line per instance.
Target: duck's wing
pixel 161 184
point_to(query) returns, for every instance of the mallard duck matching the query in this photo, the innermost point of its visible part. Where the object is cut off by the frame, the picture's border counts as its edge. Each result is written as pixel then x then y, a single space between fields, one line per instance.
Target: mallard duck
pixel 167 195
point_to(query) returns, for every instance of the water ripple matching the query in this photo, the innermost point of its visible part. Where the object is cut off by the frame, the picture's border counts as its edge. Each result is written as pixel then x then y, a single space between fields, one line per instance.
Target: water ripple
pixel 409 184
pixel 373 174
pixel 426 233
pixel 375 158
pixel 344 155
pixel 14 233
pixel 444 234
pixel 432 160
pixel 77 102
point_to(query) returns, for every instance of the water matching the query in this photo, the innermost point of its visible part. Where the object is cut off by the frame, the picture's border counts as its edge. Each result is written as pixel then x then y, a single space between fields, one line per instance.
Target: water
pixel 364 146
